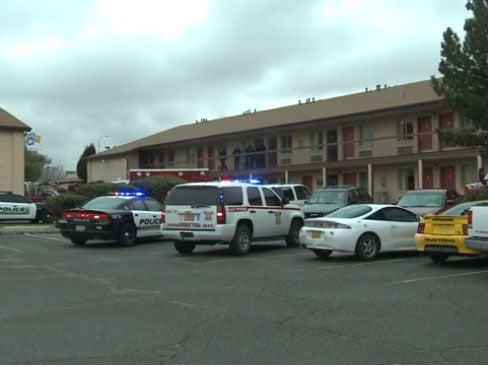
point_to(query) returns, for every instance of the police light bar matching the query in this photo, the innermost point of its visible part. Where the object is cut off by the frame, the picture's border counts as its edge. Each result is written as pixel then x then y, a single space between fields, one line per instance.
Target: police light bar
pixel 130 194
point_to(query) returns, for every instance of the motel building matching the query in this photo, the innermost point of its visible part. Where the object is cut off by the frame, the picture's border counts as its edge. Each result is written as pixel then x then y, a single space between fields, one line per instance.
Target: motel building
pixel 382 138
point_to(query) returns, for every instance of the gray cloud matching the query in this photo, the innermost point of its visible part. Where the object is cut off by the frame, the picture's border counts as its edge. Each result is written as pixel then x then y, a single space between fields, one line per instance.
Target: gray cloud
pixel 246 54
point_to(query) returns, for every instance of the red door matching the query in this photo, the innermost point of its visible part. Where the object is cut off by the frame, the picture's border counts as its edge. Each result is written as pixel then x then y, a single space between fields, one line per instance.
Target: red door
pixel 349 179
pixel 448 177
pixel 428 178
pixel 446 122
pixel 424 126
pixel 308 182
pixel 348 140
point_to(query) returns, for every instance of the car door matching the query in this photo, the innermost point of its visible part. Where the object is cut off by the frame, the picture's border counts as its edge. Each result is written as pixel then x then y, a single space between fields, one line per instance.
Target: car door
pixel 280 218
pixel 152 216
pixel 403 224
pixel 260 215
pixel 144 220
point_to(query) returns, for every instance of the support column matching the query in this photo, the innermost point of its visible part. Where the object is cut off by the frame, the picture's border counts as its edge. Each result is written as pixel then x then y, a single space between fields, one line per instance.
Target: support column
pixel 286 176
pixel 324 176
pixel 420 164
pixel 370 180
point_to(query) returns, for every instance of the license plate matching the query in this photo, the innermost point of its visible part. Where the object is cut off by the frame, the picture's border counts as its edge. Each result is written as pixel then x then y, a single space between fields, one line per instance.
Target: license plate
pixel 316 234
pixel 189 217
pixel 80 228
pixel 442 229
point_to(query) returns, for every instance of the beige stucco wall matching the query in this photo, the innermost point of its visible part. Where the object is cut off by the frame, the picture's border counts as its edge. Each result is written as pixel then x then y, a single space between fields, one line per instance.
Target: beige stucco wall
pixel 107 170
pixel 12 161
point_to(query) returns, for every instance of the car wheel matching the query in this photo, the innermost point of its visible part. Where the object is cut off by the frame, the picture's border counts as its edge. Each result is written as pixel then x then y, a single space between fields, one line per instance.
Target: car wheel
pixel 127 235
pixel 293 237
pixel 439 257
pixel 241 243
pixel 367 247
pixel 184 248
pixel 322 253
pixel 78 241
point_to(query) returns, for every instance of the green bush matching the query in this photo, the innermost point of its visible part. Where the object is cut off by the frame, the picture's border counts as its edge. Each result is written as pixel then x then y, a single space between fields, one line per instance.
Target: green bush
pixel 56 205
pixel 157 187
pixel 480 194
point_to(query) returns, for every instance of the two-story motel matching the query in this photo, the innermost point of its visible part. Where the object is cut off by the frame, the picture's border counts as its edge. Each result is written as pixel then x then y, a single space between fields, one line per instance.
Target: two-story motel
pixel 383 139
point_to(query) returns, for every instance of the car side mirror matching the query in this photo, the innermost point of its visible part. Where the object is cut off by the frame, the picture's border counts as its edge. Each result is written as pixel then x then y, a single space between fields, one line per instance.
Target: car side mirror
pixel 285 201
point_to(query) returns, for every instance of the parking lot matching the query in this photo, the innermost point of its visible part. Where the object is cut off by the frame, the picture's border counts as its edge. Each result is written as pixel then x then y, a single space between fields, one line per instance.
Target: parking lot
pixel 146 304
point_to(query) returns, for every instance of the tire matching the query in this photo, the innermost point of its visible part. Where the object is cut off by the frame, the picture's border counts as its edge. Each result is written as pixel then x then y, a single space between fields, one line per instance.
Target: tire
pixel 367 247
pixel 241 243
pixel 322 253
pixel 439 257
pixel 78 241
pixel 293 237
pixel 184 248
pixel 127 235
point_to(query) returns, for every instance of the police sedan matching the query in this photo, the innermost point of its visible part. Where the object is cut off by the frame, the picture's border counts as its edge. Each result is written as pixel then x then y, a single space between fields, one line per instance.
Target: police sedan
pixel 15 207
pixel 121 217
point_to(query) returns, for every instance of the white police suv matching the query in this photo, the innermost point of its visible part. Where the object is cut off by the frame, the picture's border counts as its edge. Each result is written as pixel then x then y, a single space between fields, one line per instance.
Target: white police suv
pixel 230 213
pixel 123 217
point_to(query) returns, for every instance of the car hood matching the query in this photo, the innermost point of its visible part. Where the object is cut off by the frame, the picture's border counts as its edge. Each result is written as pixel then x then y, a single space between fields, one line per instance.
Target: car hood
pixel 321 207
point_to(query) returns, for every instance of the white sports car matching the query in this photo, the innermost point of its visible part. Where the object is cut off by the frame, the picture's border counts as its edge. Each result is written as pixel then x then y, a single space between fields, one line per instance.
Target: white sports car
pixel 362 229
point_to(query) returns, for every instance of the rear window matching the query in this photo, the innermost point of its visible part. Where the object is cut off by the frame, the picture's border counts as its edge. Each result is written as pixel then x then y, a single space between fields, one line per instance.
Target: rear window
pixel 350 212
pixel 105 203
pixel 205 195
pixel 194 195
pixel 328 197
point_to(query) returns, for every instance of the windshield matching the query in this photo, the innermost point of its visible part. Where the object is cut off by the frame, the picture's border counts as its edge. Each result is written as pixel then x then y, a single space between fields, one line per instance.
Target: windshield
pixel 104 203
pixel 328 197
pixel 463 208
pixel 350 211
pixel 431 199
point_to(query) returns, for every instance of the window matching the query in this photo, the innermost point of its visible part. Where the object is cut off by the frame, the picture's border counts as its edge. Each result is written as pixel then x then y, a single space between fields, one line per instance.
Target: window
pixel 365 136
pixel 271 198
pixel 152 205
pixel 171 158
pixel 302 193
pixel 399 214
pixel 467 123
pixel 286 144
pixel 469 174
pixel 191 155
pixel 254 196
pixel 404 129
pixel 232 196
pixel 406 180
pixel 316 141
pixel 138 206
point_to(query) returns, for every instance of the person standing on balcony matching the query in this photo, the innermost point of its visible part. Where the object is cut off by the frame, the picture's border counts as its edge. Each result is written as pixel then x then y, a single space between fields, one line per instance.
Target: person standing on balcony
pixel 223 157
pixel 237 157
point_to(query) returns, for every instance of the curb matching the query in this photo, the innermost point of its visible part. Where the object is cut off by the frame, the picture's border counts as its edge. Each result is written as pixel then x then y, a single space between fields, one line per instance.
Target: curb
pixel 21 229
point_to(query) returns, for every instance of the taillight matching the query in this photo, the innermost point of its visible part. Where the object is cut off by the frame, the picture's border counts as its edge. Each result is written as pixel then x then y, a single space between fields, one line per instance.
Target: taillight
pixel 85 216
pixel 220 215
pixel 421 228
pixel 465 229
pixel 163 217
pixel 470 219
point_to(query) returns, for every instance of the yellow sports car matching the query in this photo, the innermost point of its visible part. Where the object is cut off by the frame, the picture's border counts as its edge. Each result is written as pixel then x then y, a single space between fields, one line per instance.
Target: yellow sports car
pixel 441 236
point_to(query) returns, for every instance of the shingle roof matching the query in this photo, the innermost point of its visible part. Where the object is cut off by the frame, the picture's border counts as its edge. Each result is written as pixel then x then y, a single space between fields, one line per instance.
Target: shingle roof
pixel 7 121
pixel 382 98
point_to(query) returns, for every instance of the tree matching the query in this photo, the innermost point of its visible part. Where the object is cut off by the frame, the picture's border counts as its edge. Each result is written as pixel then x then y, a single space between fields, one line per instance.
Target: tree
pixel 34 163
pixel 81 169
pixel 464 84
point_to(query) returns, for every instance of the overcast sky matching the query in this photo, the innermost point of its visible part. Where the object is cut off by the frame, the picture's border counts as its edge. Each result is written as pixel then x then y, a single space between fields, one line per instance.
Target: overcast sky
pixel 78 70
